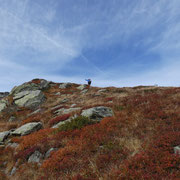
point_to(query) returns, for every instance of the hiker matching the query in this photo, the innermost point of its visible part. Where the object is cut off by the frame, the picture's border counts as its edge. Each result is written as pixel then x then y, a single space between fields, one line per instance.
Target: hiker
pixel 89 81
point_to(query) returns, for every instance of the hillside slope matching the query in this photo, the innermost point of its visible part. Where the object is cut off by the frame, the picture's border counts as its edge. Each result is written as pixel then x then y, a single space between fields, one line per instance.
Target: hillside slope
pixel 70 131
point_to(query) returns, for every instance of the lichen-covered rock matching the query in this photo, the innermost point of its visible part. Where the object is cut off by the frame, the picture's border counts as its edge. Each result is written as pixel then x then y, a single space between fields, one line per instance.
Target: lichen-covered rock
pixel 65 100
pixel 73 105
pixel 3 104
pixel 97 113
pixel 30 99
pixel 12 145
pixel 13 171
pixel 82 87
pixel 62 122
pixel 12 119
pixel 27 128
pixel 35 157
pixel 43 84
pixel 4 135
pixel 31 86
pixel 177 150
pixel 48 153
pixel 84 91
pixel 24 87
pixel 66 111
pixel 34 112
pixel 57 94
pixel 102 90
pixel 65 85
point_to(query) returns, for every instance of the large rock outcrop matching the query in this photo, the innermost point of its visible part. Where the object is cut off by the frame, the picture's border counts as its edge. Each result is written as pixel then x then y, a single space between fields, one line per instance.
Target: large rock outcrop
pixel 31 86
pixel 97 113
pixel 30 94
pixel 29 99
pixel 27 129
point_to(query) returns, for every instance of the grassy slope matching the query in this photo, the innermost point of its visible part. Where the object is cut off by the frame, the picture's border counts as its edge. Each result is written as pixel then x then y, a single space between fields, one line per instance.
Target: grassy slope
pixel 137 143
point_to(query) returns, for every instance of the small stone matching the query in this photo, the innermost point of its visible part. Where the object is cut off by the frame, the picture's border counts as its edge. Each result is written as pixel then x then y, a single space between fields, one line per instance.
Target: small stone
pixel 102 90
pixel 65 85
pixel 56 107
pixel 65 100
pixel 13 171
pixel 82 87
pixel 73 105
pixel 61 123
pixel 177 150
pixel 12 119
pixel 34 112
pixel 48 153
pixel 4 135
pixel 35 157
pixel 57 94
pixel 66 111
pixel 84 91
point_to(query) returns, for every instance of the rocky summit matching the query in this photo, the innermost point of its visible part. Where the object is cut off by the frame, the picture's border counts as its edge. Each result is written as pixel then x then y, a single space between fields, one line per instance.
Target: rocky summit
pixel 59 131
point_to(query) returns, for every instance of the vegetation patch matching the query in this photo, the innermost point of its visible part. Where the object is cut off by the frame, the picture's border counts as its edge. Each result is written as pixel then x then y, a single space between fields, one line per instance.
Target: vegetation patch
pixel 76 123
pixel 58 119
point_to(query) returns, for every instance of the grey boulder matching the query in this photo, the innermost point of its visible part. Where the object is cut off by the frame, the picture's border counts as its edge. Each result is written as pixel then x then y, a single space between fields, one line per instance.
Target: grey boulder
pixel 48 153
pixel 13 171
pixel 4 135
pixel 66 111
pixel 30 86
pixel 177 150
pixel 27 128
pixel 102 90
pixel 35 157
pixel 84 91
pixel 61 123
pixel 97 113
pixel 29 99
pixel 3 104
pixel 82 87
pixel 65 85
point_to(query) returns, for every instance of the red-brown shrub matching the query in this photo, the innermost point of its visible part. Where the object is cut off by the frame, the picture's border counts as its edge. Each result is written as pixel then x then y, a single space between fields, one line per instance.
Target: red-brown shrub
pixel 58 119
pixel 109 99
pixel 33 118
pixel 36 81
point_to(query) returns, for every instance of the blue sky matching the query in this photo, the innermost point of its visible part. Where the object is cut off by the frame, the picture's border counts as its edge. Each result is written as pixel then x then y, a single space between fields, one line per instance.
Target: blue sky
pixel 113 42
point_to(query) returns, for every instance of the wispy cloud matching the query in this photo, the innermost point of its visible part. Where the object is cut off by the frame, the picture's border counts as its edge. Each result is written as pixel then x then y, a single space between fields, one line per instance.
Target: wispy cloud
pixel 51 35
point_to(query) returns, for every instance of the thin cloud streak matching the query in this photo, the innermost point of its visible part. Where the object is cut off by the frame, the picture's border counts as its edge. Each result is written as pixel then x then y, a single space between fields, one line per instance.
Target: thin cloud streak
pixel 55 35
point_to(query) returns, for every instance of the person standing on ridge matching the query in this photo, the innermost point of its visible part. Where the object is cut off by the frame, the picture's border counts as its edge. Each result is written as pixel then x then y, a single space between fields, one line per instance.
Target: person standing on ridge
pixel 89 81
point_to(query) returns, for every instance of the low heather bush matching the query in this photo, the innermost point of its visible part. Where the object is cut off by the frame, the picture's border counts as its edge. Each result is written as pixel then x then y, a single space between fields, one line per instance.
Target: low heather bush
pixel 58 119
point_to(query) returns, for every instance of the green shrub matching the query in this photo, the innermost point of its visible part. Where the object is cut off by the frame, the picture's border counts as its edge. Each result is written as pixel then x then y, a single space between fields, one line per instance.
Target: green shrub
pixel 150 90
pixel 76 123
